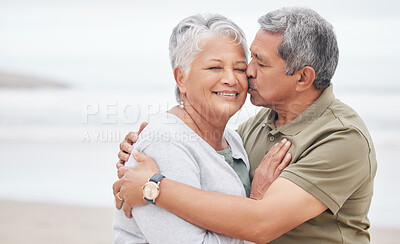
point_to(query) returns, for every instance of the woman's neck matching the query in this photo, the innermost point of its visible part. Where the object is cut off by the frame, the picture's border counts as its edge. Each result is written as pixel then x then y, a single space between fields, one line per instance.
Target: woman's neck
pixel 211 132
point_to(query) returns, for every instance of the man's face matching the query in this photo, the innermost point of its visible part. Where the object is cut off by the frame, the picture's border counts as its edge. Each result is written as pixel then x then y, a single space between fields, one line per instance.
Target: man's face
pixel 269 86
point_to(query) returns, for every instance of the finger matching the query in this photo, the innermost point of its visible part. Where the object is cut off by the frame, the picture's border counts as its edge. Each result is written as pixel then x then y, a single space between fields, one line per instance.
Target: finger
pixel 286 147
pixel 131 137
pixel 278 146
pixel 285 162
pixel 118 201
pixel 283 165
pixel 268 155
pixel 142 126
pixel 116 190
pixel 122 171
pixel 278 157
pixel 123 156
pixel 127 210
pixel 120 164
pixel 126 147
pixel 139 156
pixel 117 186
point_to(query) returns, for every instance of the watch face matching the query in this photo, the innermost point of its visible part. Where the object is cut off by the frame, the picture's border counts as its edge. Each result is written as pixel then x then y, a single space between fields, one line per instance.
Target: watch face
pixel 150 190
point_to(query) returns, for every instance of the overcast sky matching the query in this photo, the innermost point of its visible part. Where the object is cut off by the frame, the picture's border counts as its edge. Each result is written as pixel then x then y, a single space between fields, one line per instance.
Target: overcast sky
pixel 98 42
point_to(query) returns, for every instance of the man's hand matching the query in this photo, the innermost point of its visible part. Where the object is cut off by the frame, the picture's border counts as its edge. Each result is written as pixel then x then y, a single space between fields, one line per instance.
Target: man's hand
pixel 132 179
pixel 270 168
pixel 126 145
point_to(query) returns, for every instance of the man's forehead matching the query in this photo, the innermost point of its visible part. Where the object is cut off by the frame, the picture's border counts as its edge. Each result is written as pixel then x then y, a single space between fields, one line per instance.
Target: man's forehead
pixel 265 42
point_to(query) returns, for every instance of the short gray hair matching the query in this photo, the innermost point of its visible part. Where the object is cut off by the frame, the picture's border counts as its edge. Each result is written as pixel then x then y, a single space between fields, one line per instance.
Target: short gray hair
pixel 187 36
pixel 308 40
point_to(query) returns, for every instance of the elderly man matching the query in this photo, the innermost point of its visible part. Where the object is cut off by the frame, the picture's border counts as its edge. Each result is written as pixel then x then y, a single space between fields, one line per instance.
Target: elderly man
pixel 324 194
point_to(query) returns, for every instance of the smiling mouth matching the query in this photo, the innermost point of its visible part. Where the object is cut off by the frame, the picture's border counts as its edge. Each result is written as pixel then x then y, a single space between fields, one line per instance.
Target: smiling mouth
pixel 226 94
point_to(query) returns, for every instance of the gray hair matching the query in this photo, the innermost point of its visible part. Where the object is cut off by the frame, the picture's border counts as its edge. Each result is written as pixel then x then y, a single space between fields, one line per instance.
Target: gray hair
pixel 188 35
pixel 308 40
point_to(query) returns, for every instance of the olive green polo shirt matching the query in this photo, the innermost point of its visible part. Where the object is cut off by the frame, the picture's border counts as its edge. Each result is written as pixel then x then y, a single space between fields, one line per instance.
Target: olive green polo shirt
pixel 333 158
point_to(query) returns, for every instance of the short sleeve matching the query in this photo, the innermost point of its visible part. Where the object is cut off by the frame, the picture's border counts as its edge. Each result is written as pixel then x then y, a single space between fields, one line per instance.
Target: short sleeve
pixel 333 168
pixel 160 226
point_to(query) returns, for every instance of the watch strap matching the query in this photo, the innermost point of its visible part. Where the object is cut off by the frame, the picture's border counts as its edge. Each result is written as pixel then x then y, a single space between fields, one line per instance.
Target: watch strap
pixel 150 201
pixel 155 178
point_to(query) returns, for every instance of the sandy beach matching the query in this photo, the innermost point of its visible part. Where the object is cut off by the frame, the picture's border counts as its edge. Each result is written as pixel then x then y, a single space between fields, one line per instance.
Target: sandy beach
pixel 32 222
pixel 45 223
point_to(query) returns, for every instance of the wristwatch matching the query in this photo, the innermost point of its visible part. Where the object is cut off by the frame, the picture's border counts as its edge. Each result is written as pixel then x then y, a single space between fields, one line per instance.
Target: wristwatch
pixel 151 189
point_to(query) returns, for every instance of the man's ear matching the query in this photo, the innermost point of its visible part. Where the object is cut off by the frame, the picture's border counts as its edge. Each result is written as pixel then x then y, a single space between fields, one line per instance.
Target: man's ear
pixel 306 78
pixel 180 79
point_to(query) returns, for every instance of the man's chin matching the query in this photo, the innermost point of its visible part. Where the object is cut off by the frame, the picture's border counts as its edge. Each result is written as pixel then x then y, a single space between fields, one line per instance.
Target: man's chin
pixel 253 100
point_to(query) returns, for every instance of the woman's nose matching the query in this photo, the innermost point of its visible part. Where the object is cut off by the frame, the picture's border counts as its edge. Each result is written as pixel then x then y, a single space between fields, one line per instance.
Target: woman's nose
pixel 229 78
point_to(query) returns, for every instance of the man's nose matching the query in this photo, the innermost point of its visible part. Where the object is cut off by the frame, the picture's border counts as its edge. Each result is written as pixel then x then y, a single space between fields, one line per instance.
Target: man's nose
pixel 251 71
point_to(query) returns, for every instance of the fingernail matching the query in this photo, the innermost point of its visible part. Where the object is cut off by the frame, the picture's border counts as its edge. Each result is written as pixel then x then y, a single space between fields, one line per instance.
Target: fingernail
pixel 287 143
pixel 288 155
pixel 127 157
pixel 284 140
pixel 130 148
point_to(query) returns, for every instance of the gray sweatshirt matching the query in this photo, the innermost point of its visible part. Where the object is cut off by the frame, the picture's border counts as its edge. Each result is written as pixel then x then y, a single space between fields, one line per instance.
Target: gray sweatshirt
pixel 185 157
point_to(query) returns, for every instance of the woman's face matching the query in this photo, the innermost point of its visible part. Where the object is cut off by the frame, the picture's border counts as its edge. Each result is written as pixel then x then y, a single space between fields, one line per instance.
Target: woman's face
pixel 216 85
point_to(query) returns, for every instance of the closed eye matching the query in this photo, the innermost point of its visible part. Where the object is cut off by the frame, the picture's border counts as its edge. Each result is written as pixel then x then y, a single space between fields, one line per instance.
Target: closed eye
pixel 241 70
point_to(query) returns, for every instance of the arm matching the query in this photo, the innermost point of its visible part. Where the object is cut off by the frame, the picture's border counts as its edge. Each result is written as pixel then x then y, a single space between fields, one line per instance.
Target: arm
pixel 284 206
pixel 158 225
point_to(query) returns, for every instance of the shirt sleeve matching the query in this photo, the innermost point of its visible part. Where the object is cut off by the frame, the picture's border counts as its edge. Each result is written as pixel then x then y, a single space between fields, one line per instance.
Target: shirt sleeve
pixel 160 226
pixel 333 168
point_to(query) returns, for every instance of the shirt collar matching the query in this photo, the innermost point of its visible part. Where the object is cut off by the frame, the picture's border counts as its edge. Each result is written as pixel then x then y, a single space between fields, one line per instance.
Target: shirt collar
pixel 308 116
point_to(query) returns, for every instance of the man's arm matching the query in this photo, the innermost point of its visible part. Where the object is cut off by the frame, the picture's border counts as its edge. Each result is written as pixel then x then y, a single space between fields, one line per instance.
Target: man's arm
pixel 284 206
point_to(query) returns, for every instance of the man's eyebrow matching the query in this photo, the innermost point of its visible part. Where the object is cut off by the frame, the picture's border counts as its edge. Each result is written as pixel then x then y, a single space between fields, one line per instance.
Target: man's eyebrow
pixel 258 56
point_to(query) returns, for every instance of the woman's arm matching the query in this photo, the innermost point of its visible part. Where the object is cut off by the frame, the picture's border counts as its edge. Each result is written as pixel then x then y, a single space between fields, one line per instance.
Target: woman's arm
pixel 157 225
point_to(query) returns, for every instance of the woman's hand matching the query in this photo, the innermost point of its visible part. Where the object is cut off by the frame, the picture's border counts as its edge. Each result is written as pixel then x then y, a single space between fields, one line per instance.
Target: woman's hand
pixel 126 145
pixel 132 179
pixel 270 168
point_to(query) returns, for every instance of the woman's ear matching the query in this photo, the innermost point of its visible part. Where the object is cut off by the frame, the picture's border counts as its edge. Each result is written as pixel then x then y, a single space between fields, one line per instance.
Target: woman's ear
pixel 180 79
pixel 306 78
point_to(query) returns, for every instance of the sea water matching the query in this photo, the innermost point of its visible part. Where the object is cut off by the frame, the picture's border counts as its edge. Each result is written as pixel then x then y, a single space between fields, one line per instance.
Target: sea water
pixel 61 145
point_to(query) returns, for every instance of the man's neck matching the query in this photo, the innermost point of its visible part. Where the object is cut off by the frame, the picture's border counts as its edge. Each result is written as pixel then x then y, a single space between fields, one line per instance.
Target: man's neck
pixel 288 112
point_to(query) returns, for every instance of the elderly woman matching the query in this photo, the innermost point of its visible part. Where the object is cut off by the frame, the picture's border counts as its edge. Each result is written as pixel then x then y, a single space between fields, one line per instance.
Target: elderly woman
pixel 190 142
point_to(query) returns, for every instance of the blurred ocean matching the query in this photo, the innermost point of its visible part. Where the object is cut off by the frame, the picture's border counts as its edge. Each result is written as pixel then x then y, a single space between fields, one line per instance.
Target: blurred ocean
pixel 61 145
